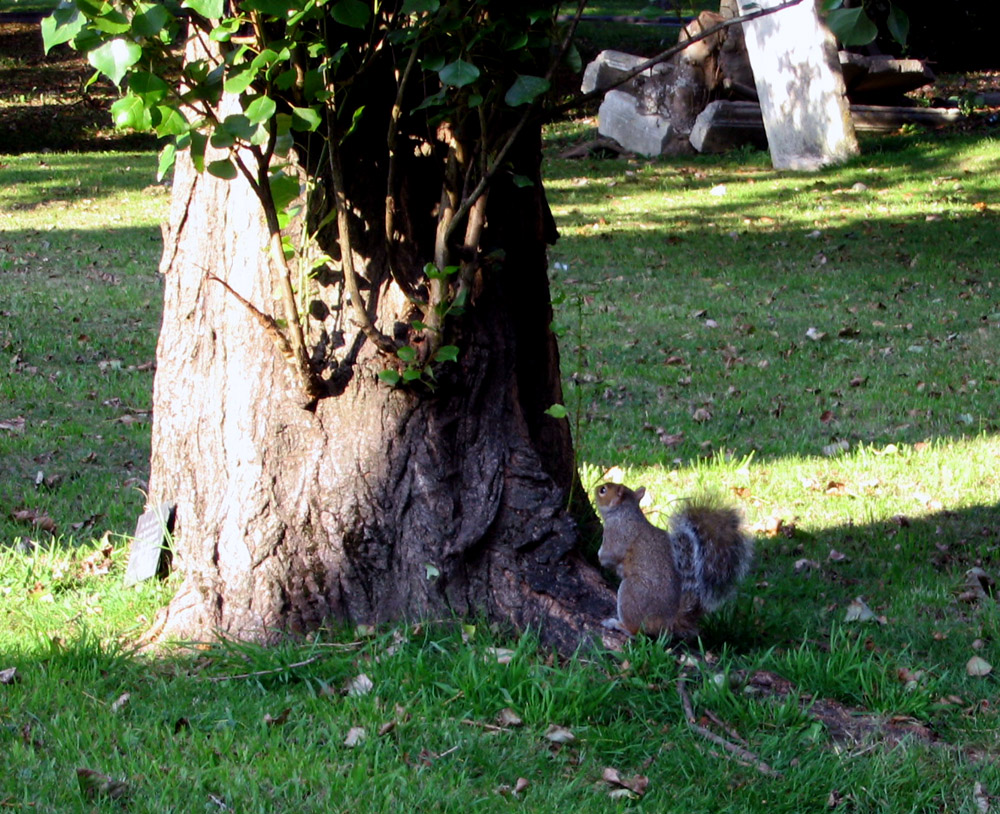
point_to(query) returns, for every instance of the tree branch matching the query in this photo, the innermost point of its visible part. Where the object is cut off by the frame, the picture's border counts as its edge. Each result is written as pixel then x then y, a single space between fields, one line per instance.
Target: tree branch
pixel 390 186
pixel 738 751
pixel 360 311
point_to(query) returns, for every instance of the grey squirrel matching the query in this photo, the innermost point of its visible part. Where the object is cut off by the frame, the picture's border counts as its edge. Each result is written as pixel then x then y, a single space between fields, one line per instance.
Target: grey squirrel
pixel 670 578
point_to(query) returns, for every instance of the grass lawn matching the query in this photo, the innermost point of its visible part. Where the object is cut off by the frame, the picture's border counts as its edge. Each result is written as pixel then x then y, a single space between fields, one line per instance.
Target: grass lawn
pixel 820 348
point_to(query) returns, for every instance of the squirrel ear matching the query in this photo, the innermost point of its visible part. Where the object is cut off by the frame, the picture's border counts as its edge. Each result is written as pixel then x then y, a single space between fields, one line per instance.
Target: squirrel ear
pixel 639 493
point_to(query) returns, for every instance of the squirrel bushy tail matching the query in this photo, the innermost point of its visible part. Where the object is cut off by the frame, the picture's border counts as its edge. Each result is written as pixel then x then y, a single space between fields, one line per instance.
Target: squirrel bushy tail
pixel 712 553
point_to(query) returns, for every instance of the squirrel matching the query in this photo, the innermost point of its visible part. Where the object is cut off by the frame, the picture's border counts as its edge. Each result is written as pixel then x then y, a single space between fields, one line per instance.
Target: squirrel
pixel 670 578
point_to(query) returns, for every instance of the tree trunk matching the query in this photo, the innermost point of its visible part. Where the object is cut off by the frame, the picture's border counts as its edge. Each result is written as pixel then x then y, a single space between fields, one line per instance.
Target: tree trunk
pixel 372 504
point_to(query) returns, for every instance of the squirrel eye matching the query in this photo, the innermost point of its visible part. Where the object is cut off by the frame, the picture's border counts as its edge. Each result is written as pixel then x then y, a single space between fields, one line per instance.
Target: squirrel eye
pixel 602 490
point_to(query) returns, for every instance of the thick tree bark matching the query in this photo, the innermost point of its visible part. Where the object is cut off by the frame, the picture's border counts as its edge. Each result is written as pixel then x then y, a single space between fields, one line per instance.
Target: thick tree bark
pixel 372 504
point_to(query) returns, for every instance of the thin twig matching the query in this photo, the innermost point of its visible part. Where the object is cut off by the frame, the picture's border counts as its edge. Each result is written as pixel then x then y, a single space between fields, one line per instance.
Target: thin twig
pixel 390 186
pixel 266 321
pixel 737 751
pixel 663 56
pixel 482 725
pixel 259 673
pixel 360 311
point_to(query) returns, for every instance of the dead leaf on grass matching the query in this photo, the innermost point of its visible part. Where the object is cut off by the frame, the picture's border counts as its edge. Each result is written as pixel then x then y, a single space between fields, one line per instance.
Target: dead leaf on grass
pixel 978 586
pixel 559 734
pixel 279 719
pixel 858 611
pixel 37 518
pixel 637 784
pixel 508 718
pixel 355 735
pixel 9 676
pixel 502 655
pixel 121 701
pixel 12 424
pixel 978 667
pixel 359 685
pixel 805 565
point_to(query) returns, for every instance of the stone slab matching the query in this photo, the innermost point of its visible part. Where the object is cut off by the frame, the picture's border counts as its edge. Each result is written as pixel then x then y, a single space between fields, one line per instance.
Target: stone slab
pixel 610 66
pixel 800 87
pixel 149 550
pixel 643 133
pixel 724 125
pixel 882 77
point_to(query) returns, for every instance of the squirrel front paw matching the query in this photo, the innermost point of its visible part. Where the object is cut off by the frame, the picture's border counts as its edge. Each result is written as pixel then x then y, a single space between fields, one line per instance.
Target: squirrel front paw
pixel 614 623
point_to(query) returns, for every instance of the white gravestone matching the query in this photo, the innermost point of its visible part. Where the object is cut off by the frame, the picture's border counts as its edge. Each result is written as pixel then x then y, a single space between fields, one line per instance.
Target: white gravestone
pixel 800 86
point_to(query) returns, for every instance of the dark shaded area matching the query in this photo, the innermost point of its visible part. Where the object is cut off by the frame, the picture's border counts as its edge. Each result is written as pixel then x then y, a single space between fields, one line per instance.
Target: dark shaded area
pixel 44 101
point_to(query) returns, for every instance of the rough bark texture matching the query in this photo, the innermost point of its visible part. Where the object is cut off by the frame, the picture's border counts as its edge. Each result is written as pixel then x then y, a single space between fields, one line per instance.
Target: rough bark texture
pixel 290 516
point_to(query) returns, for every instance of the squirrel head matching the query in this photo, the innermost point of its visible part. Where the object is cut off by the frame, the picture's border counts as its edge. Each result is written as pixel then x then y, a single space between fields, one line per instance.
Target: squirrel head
pixel 609 495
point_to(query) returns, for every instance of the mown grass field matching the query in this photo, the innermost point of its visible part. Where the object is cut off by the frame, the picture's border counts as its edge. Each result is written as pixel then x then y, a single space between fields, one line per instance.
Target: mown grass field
pixel 822 353
pixel 820 349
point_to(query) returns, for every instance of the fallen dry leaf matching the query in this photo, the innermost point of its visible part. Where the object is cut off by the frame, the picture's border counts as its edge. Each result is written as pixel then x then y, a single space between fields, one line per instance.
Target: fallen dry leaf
pixel 805 565
pixel 559 734
pixel 503 655
pixel 121 701
pixel 37 518
pixel 636 784
pixel 359 685
pixel 12 424
pixel 355 735
pixel 508 718
pixel 978 667
pixel 858 611
pixel 279 719
pixel 9 676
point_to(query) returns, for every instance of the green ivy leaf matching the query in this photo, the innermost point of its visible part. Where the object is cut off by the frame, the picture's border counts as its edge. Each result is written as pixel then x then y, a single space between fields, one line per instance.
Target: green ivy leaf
pixel 390 377
pixel 284 190
pixel 305 118
pixel 261 109
pixel 557 411
pixel 525 90
pixel 238 126
pixel 412 374
pixel 129 111
pixel 210 9
pixel 112 22
pixel 166 162
pixel 198 142
pixel 115 57
pixel 573 59
pixel 150 19
pixel 62 25
pixel 898 24
pixel 352 13
pixel 169 121
pixel 851 26
pixel 240 78
pixel 459 73
pixel 446 353
pixel 275 8
pixel 407 353
pixel 223 169
pixel 415 6
pixel 522 181
pixel 149 87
